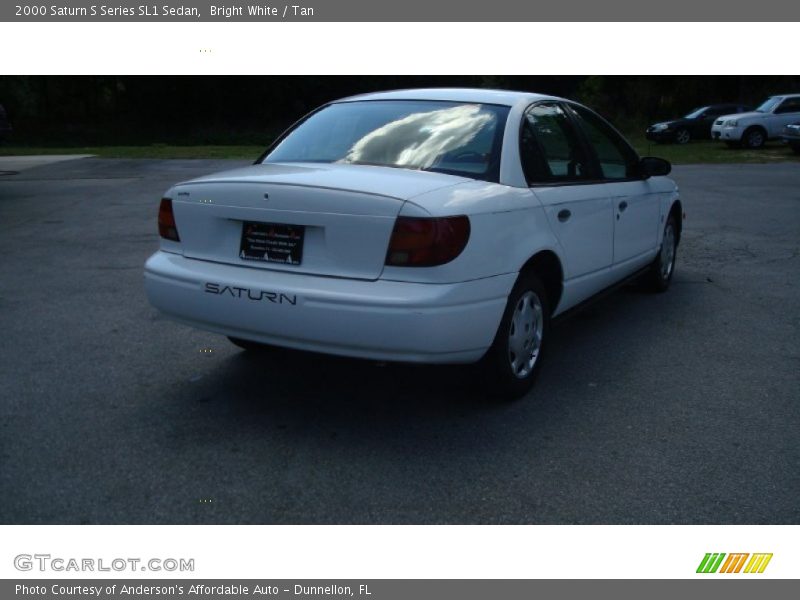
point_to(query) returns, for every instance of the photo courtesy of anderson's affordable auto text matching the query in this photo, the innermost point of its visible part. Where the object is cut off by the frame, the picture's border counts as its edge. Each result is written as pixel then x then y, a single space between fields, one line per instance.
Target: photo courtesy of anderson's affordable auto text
pixel 318 309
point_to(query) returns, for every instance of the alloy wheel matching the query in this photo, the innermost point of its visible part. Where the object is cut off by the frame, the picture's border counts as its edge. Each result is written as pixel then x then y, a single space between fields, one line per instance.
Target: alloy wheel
pixel 755 139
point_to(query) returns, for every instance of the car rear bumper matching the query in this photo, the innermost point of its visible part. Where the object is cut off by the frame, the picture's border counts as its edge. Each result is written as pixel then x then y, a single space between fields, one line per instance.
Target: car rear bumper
pixel 380 320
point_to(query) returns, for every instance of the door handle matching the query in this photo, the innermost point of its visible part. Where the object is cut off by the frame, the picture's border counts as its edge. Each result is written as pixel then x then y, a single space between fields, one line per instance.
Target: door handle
pixel 564 215
pixel 622 206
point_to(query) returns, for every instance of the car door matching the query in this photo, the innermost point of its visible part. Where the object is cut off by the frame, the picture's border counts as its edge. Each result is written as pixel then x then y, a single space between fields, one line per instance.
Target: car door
pixel 558 169
pixel 635 201
pixel 697 125
pixel 785 113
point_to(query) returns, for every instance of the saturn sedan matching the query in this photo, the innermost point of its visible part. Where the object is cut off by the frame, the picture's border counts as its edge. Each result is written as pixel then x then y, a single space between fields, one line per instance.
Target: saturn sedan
pixel 433 226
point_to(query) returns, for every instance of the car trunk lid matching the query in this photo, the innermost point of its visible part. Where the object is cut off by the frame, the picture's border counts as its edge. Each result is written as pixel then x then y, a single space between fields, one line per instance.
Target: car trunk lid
pixel 342 216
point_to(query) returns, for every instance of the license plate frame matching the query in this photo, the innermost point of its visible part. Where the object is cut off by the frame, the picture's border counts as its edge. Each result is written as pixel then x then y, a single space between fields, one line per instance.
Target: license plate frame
pixel 279 243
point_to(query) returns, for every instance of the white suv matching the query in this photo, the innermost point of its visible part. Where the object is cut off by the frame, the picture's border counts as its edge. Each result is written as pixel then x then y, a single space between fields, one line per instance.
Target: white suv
pixel 753 129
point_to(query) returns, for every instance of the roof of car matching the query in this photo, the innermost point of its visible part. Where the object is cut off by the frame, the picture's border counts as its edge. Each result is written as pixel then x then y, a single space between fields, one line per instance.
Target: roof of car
pixel 483 96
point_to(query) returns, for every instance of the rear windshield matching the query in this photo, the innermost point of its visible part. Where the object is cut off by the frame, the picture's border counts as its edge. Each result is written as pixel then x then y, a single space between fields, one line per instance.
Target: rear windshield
pixel 446 137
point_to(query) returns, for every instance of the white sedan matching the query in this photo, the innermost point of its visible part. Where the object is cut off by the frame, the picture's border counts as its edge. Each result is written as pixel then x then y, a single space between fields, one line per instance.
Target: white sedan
pixel 433 225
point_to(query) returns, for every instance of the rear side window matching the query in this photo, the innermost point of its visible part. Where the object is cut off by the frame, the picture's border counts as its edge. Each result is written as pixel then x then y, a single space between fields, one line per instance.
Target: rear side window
pixel 616 158
pixel 550 148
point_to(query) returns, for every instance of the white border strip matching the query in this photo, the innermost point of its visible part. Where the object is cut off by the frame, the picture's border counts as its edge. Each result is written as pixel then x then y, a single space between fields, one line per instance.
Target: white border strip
pixel 398 48
pixel 407 552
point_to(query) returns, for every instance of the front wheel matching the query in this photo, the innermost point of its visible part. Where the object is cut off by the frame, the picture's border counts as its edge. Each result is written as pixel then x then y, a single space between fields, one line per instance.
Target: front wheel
pixel 660 274
pixel 753 138
pixel 683 136
pixel 513 361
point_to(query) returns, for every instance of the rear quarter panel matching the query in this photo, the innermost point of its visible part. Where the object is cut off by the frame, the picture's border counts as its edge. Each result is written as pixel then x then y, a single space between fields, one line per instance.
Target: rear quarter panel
pixel 507 226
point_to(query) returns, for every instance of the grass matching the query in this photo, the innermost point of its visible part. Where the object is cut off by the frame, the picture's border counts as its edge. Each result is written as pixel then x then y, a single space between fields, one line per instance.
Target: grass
pixel 708 152
pixel 705 152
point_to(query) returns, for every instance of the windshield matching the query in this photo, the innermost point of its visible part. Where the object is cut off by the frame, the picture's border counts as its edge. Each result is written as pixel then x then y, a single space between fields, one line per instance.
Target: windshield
pixel 696 112
pixel 768 104
pixel 447 137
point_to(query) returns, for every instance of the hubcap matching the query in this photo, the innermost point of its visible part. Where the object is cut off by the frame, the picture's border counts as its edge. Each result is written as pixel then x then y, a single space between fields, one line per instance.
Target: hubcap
pixel 525 334
pixel 683 136
pixel 667 252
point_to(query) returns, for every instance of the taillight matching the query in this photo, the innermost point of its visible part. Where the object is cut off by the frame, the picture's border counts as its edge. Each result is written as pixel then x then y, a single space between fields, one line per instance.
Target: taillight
pixel 427 242
pixel 166 221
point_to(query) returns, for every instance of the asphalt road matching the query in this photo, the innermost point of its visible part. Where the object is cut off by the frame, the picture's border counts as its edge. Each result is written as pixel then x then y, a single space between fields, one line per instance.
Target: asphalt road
pixel 674 408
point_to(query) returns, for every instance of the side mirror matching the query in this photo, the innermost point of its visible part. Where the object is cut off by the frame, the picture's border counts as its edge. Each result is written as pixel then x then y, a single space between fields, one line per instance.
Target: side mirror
pixel 650 166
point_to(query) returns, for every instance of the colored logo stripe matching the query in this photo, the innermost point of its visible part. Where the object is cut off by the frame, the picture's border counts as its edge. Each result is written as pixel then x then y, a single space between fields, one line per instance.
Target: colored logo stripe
pixel 758 563
pixel 733 564
pixel 710 562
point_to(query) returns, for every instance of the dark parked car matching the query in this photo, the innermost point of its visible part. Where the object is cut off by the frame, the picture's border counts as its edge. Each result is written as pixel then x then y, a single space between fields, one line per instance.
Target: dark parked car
pixel 694 126
pixel 791 135
pixel 5 126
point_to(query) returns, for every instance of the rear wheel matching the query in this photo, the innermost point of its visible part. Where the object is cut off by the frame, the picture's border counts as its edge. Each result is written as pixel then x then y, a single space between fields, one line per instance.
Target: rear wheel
pixel 513 361
pixel 660 274
pixel 754 137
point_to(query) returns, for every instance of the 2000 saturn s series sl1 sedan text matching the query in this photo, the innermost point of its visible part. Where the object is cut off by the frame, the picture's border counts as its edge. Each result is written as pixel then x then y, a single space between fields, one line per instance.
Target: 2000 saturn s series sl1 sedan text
pixel 439 226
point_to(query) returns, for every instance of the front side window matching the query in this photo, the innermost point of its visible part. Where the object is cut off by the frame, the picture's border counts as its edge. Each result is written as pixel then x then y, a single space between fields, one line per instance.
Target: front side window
pixel 789 105
pixel 716 111
pixel 550 149
pixel 617 159
pixel 448 137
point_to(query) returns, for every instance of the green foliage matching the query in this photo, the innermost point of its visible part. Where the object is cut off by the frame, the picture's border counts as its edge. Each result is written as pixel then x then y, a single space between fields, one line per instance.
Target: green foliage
pixel 233 110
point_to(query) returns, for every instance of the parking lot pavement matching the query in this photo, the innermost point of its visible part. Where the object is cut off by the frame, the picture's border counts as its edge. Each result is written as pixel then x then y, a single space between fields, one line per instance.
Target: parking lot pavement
pixel 673 408
pixel 13 164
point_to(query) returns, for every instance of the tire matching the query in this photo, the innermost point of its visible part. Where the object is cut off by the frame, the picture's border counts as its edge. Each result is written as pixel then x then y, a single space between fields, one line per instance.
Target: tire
pixel 683 136
pixel 795 148
pixel 524 329
pixel 754 137
pixel 250 346
pixel 660 274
